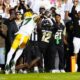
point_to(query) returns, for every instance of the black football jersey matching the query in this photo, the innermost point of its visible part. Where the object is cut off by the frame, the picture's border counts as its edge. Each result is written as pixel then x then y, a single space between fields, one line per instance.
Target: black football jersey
pixel 58 36
pixel 76 29
pixel 46 31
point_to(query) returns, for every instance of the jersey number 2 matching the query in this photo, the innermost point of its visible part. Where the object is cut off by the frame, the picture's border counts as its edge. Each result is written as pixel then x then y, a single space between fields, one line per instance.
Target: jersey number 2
pixel 46 36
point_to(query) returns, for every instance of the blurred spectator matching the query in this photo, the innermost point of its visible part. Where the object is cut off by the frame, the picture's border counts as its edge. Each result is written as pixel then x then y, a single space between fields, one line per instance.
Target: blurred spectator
pixel 71 10
pixel 42 10
pixel 15 25
pixel 3 35
pixel 2 11
pixel 7 8
pixel 13 3
pixel 72 26
pixel 53 11
pixel 35 5
pixel 76 38
pixel 69 46
pixel 22 7
pixel 52 1
pixel 60 7
pixel 7 22
pixel 45 3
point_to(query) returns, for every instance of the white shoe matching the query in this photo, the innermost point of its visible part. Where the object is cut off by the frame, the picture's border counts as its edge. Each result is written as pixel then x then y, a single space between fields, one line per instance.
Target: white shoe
pixel 36 69
pixel 62 70
pixel 20 71
pixel 7 71
pixel 25 72
pixel 13 69
pixel 57 71
pixel 53 71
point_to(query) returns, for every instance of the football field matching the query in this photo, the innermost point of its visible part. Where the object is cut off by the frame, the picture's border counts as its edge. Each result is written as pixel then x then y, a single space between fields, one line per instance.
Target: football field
pixel 41 76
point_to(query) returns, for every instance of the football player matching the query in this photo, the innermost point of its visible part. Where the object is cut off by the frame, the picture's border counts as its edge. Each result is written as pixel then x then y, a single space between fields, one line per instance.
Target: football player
pixel 22 37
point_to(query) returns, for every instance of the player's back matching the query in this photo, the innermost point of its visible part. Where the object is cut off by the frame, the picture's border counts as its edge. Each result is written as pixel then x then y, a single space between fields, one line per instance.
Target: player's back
pixel 28 25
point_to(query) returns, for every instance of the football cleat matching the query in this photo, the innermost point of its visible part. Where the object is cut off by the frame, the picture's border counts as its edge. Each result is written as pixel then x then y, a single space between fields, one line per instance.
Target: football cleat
pixel 13 67
pixel 62 71
pixel 7 69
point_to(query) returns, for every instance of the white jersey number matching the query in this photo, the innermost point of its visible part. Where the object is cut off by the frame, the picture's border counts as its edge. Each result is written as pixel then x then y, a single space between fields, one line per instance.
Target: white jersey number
pixel 46 36
pixel 26 21
pixel 58 34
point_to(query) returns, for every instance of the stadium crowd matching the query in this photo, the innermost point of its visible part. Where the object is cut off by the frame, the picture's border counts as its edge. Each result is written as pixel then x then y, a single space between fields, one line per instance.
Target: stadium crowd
pixel 56 34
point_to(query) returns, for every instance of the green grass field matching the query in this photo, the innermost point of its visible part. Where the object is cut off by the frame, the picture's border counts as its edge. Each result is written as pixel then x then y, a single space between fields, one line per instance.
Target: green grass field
pixel 41 76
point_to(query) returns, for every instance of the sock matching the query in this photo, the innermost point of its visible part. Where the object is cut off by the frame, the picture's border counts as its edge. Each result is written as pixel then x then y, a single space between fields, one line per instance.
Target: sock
pixel 18 54
pixel 9 56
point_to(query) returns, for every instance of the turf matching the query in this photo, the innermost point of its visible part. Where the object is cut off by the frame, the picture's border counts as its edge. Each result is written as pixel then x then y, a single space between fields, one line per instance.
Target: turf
pixel 41 76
